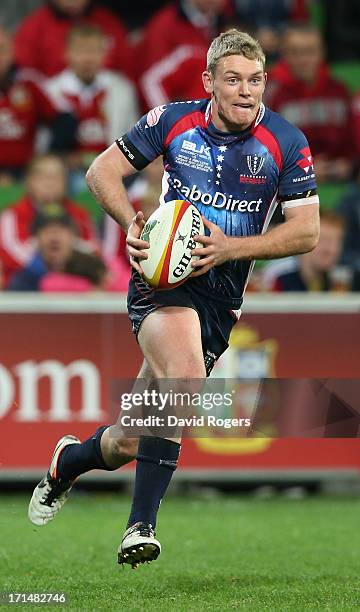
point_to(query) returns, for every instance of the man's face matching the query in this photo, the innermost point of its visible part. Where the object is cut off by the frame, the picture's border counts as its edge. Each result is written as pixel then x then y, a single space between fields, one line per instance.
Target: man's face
pixel 328 250
pixel 71 7
pixel 55 243
pixel 47 182
pixel 6 52
pixel 303 52
pixel 208 7
pixel 237 89
pixel 86 55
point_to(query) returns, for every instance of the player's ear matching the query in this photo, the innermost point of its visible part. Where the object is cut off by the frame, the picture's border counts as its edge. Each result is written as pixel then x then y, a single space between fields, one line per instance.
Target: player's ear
pixel 208 82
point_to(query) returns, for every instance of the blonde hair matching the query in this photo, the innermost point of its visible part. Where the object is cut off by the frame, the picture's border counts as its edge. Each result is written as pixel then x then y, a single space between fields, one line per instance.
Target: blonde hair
pixel 233 42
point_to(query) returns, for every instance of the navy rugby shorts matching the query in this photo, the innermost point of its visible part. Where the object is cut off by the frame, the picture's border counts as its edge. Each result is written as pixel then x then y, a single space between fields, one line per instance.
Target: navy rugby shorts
pixel 216 320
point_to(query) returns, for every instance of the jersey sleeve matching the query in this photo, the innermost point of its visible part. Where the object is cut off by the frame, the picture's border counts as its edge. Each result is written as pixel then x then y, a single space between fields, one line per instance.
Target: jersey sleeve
pixel 297 185
pixel 144 142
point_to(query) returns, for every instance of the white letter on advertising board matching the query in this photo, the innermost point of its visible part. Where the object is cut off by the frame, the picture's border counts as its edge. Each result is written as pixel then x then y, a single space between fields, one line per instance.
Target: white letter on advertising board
pixel 29 373
pixel 6 391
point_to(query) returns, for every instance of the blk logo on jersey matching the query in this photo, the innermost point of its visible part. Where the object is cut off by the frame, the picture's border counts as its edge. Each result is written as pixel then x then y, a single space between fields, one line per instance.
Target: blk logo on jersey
pixel 307 162
pixel 202 151
pixel 195 156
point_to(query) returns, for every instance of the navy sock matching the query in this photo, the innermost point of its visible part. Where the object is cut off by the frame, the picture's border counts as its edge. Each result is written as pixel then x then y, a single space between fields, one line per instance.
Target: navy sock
pixel 156 461
pixel 77 459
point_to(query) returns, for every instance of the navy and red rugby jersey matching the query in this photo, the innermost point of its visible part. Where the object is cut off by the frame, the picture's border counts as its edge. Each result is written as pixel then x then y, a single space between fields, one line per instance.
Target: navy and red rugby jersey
pixel 234 179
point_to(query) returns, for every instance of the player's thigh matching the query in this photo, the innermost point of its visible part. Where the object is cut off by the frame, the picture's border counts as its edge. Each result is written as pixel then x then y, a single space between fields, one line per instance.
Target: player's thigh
pixel 170 339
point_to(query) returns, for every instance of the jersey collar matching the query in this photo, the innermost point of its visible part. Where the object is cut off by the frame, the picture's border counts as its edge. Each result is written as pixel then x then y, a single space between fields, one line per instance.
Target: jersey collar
pixel 230 136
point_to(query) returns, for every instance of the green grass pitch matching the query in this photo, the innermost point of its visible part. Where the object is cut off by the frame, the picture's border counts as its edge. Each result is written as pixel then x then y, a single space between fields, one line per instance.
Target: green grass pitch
pixel 222 554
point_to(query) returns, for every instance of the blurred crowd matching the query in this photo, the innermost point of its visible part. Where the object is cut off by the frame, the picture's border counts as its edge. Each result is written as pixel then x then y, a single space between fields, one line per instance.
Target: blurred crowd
pixel 77 74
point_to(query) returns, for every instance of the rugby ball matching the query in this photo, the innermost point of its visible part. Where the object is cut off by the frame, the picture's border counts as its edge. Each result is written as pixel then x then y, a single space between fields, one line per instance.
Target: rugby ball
pixel 170 231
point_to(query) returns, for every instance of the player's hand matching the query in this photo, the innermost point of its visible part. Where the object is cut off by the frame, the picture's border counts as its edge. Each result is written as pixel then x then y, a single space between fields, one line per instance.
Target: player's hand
pixel 134 245
pixel 214 252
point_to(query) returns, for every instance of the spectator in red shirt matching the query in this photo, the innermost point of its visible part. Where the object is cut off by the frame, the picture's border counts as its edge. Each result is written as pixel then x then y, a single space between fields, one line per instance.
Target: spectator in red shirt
pixel 46 185
pixel 103 102
pixel 40 39
pixel 24 104
pixel 57 264
pixel 173 50
pixel 56 260
pixel 301 89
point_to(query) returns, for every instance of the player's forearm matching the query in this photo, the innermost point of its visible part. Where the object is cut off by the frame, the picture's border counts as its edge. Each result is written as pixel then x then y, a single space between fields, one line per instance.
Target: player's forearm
pixel 290 238
pixel 106 183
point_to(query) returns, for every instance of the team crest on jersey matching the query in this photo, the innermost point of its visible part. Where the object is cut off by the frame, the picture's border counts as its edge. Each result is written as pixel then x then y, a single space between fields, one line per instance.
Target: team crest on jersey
pixel 255 163
pixel 153 116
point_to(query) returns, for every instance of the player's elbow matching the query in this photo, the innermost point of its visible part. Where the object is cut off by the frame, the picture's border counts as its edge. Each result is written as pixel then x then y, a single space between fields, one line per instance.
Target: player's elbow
pixel 91 174
pixel 99 170
pixel 108 168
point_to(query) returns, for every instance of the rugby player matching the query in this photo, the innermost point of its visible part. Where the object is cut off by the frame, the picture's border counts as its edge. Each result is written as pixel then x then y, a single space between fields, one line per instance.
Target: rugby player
pixel 235 160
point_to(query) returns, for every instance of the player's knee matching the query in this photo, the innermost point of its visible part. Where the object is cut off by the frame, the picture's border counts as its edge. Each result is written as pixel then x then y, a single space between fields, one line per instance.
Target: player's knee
pixel 123 450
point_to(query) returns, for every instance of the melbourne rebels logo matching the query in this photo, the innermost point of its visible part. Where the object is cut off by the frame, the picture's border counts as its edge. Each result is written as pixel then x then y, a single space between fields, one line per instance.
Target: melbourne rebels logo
pixel 255 163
